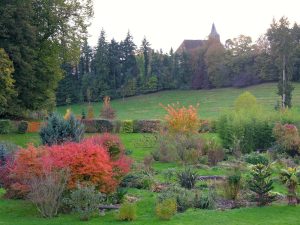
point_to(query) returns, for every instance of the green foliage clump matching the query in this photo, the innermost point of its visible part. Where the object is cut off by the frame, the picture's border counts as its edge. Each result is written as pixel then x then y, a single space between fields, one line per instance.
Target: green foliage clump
pixel 261 184
pixel 6 81
pixel 127 212
pixel 205 200
pixel 215 152
pixel 247 128
pixel 166 209
pixel 85 201
pixel 57 130
pixel 233 185
pixel 255 158
pixel 22 127
pixel 186 199
pixel 187 178
pixel 245 101
pixel 187 149
pixel 139 180
pixel 290 178
pixel 127 126
pixel 5 126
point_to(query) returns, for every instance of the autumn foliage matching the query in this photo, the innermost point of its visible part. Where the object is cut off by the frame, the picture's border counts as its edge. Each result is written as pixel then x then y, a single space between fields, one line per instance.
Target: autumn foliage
pixel 107 112
pixel 88 162
pixel 34 127
pixel 181 119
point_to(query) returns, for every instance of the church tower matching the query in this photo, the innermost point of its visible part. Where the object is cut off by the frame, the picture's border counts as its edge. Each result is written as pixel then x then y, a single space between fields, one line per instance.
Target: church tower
pixel 214 34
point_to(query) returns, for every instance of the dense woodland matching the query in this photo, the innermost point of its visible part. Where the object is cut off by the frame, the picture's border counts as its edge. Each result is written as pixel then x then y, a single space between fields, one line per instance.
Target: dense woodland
pixel 47 60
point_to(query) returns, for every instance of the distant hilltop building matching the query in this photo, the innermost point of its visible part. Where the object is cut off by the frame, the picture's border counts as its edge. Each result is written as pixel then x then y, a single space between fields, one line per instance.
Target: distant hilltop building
pixel 192 45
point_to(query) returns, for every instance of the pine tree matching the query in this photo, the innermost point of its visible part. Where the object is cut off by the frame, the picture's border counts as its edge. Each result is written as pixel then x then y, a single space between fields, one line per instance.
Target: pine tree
pixel 128 60
pixel 100 69
pixel 261 184
pixel 146 50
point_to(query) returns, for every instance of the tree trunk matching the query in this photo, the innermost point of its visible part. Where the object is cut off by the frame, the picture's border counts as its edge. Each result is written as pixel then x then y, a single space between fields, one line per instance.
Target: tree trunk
pixel 283 82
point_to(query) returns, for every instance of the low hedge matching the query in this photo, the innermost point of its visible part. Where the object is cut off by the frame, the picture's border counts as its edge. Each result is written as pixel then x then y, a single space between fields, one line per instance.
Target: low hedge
pixel 5 126
pixel 91 126
pixel 146 126
pixel 127 126
pixel 98 126
pixel 22 127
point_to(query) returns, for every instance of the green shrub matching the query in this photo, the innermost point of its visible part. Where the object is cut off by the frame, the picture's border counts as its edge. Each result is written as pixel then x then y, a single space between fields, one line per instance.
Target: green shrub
pixel 22 127
pixel 179 147
pixel 139 180
pixel 290 178
pixel 232 186
pixel 248 125
pixel 251 130
pixel 246 101
pixel 261 184
pixel 117 197
pixel 185 198
pixel 256 158
pixel 5 126
pixel 127 126
pixel 205 200
pixel 85 201
pixel 146 126
pixel 166 209
pixel 187 178
pixel 127 212
pixel 57 130
pixel 117 124
pixel 215 152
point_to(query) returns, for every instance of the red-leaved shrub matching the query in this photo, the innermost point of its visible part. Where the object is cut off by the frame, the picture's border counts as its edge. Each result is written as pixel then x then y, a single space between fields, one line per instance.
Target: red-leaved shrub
pixel 88 162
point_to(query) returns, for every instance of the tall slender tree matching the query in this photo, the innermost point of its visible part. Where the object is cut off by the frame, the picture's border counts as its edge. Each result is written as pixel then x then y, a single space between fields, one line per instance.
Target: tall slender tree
pixel 283 45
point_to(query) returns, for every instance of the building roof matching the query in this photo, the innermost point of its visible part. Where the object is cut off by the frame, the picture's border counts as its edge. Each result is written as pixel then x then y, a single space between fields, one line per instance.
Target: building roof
pixel 189 45
pixel 214 34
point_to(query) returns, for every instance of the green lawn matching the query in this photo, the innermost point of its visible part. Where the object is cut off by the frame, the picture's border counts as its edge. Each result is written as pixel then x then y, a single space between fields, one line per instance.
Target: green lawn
pixel 14 212
pixel 212 102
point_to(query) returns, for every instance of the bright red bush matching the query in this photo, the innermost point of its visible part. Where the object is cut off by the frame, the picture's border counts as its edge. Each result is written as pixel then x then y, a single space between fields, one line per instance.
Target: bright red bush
pixel 88 162
pixel 27 164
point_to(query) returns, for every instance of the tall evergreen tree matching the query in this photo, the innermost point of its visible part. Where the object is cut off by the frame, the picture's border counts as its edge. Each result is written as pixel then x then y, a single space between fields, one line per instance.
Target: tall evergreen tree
pixel 282 46
pixel 100 70
pixel 39 36
pixel 146 50
pixel 128 60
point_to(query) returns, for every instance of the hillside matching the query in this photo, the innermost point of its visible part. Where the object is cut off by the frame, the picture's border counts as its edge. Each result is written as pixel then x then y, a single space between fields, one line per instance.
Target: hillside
pixel 212 102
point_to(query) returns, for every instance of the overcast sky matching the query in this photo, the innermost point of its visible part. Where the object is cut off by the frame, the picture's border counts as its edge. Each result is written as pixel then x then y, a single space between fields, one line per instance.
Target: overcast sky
pixel 166 23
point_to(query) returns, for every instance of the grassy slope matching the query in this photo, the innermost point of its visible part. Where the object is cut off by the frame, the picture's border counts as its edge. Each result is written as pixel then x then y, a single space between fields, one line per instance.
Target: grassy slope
pixel 211 101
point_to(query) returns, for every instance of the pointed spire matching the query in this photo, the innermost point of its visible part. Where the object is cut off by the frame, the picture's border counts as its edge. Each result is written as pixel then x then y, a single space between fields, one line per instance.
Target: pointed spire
pixel 214 34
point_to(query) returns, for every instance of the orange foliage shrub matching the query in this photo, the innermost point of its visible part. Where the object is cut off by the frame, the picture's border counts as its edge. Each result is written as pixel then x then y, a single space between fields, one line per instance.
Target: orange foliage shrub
pixel 27 164
pixel 88 162
pixel 181 119
pixel 34 127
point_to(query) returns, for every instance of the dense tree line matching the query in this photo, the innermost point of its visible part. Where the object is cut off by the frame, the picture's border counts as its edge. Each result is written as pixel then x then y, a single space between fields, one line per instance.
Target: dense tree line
pixel 39 37
pixel 121 69
pixel 46 60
